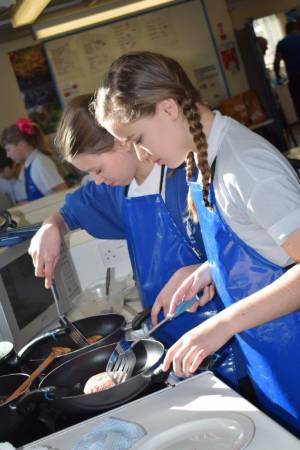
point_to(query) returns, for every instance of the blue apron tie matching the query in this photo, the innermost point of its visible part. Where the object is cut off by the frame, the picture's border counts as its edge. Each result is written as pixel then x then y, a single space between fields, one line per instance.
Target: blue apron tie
pixel 33 193
pixel 270 350
pixel 157 250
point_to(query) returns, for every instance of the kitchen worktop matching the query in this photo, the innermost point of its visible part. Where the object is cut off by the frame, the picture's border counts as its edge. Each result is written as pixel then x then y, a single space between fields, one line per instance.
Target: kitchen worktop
pixel 202 397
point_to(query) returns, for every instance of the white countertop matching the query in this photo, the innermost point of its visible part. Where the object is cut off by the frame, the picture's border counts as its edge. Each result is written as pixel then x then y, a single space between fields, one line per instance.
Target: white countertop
pixel 199 397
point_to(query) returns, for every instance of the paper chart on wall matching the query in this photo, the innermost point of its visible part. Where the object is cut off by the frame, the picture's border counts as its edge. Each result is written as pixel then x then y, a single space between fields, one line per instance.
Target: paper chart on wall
pixel 97 48
pixel 209 85
pixel 161 32
pixel 79 61
pixel 65 59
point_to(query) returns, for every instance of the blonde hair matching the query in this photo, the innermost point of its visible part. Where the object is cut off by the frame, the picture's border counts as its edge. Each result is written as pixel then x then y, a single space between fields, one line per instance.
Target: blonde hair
pixel 78 132
pixel 132 87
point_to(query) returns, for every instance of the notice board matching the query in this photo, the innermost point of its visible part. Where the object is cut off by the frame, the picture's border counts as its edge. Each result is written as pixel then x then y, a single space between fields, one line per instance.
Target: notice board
pixel 181 31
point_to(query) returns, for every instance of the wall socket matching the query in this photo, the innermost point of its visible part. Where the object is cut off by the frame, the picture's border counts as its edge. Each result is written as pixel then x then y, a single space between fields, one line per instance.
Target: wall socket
pixel 113 252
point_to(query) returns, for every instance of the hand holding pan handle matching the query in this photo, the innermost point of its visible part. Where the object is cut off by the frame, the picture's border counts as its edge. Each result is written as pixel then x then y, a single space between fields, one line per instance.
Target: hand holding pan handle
pixel 181 307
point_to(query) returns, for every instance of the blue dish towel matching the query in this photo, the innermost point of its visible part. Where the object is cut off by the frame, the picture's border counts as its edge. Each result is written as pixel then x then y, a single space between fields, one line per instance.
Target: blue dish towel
pixel 111 434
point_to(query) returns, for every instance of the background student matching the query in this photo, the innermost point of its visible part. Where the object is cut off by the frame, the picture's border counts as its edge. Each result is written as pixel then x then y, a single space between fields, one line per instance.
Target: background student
pixel 9 181
pixel 288 50
pixel 247 199
pixel 134 200
pixel 24 143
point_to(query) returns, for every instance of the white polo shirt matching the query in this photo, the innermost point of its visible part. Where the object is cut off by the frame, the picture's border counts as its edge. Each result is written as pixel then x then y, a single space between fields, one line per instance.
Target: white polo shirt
pixel 43 172
pixel 15 189
pixel 257 191
pixel 150 185
pixel 7 186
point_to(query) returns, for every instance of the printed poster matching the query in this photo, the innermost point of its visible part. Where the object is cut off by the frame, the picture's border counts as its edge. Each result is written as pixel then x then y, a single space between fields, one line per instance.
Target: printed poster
pixel 37 87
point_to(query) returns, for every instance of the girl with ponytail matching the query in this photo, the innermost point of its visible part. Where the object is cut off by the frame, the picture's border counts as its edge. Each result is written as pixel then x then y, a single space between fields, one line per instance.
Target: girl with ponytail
pixel 24 143
pixel 247 199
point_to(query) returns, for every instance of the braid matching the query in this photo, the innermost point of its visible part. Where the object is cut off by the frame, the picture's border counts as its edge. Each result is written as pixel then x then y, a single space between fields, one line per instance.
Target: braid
pixel 190 167
pixel 190 111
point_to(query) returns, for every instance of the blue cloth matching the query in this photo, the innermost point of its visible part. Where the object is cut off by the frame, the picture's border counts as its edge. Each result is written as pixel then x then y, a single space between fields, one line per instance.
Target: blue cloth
pixel 32 191
pixel 289 48
pixel 268 351
pixel 112 434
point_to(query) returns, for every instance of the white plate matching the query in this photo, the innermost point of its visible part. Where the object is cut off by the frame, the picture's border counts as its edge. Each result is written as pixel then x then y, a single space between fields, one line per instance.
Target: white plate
pixel 224 431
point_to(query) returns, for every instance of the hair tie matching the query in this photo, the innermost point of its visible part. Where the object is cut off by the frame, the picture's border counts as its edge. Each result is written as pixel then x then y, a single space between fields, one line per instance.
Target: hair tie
pixel 25 126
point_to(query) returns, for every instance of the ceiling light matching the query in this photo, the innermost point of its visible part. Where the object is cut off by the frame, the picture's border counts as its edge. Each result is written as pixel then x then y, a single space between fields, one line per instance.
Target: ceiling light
pixel 49 28
pixel 26 11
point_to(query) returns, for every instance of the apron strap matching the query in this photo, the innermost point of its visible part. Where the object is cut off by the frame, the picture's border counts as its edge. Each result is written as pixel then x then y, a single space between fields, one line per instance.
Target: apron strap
pixel 161 181
pixel 213 169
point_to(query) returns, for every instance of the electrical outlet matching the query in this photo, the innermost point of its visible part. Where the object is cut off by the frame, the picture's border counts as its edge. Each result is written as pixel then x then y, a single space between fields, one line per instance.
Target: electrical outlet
pixel 113 252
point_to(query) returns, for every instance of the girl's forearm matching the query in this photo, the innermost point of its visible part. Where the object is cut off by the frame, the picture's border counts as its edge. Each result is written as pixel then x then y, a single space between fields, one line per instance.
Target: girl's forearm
pixel 57 220
pixel 277 299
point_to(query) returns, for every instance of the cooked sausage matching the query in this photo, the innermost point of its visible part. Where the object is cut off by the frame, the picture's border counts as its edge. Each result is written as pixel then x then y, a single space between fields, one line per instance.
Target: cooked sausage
pixel 61 350
pixel 94 339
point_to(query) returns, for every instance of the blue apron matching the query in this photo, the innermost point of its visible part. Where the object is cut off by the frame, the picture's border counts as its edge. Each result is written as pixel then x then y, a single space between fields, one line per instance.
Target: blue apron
pixel 271 350
pixel 33 193
pixel 157 250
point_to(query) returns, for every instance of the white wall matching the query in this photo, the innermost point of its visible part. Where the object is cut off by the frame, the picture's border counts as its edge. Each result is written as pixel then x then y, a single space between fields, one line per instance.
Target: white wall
pixel 12 105
pixel 217 11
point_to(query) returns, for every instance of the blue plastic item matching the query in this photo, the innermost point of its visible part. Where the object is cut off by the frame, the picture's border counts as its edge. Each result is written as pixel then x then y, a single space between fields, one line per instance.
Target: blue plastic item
pixel 17 235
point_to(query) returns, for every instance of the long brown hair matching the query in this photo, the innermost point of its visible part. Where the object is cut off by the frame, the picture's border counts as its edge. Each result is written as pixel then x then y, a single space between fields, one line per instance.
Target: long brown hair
pixel 78 131
pixel 132 87
pixel 36 139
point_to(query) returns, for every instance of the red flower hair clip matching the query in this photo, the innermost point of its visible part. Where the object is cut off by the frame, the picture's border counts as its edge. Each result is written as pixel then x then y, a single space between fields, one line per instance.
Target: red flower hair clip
pixel 25 126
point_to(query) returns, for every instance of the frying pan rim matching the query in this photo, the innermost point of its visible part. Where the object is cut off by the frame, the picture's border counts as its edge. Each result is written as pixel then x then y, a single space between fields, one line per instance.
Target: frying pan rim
pixel 73 352
pixel 22 393
pixel 14 373
pixel 100 348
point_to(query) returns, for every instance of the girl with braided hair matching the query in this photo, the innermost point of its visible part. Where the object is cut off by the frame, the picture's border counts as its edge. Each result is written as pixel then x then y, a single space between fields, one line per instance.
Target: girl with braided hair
pixel 133 200
pixel 24 143
pixel 247 199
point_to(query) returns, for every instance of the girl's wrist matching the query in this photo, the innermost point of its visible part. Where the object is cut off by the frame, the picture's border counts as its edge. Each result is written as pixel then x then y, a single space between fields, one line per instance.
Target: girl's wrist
pixel 228 323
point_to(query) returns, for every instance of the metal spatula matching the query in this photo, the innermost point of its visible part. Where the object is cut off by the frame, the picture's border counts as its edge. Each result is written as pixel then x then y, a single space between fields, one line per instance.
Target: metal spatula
pixel 122 360
pixel 75 334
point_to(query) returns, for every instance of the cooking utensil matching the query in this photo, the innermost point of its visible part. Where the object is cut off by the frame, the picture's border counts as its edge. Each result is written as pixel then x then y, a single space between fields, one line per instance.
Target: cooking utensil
pixel 110 326
pixel 10 418
pixel 122 360
pixel 27 383
pixel 75 333
pixel 12 234
pixel 8 358
pixel 61 386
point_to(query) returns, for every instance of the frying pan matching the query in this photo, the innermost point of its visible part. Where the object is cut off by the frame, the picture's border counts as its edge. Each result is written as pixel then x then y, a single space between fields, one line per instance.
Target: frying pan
pixel 110 326
pixel 10 416
pixel 63 386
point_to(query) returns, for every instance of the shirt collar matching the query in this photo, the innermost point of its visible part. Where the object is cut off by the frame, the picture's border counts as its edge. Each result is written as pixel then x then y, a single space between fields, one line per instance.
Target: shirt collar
pixel 150 185
pixel 30 158
pixel 216 136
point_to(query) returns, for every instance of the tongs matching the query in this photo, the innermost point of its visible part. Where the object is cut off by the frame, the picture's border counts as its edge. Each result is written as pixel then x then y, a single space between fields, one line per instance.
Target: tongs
pixel 122 360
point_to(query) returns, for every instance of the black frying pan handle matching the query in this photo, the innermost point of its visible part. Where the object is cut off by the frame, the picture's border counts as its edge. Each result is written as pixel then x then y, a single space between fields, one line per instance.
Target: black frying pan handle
pixel 159 376
pixel 140 318
pixel 30 400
